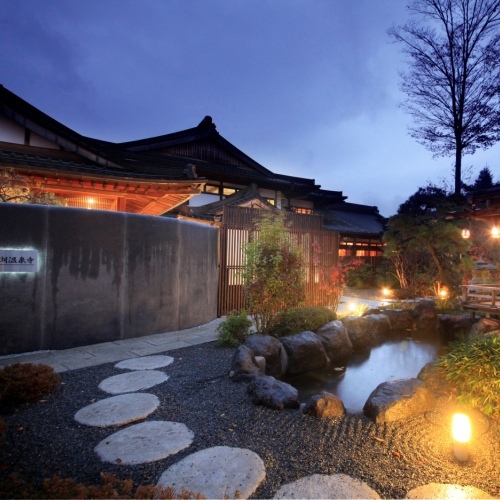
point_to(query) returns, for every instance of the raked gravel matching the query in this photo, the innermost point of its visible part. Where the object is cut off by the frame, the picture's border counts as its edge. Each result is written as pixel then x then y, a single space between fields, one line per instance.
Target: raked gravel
pixel 44 439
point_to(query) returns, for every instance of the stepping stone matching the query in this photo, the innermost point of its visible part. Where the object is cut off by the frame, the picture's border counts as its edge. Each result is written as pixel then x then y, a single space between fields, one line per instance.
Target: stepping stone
pixel 145 363
pixel 132 381
pixel 219 472
pixel 447 491
pixel 144 442
pixel 118 410
pixel 323 486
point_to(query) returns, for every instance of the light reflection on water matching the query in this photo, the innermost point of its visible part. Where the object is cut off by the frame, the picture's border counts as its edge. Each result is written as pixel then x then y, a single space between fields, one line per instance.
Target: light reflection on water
pixel 399 358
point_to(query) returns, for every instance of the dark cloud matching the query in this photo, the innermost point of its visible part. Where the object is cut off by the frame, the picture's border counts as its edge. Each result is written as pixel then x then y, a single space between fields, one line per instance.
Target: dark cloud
pixel 307 88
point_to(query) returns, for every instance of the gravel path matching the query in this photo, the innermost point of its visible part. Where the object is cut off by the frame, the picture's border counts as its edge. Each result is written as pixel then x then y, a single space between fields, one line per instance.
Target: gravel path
pixel 44 439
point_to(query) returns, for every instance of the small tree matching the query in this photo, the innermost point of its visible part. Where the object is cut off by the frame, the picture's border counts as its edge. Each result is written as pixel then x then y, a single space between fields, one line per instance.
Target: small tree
pixel 333 279
pixel 274 272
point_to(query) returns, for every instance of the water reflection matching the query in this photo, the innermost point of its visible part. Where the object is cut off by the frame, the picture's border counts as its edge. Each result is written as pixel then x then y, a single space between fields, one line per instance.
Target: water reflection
pixel 401 357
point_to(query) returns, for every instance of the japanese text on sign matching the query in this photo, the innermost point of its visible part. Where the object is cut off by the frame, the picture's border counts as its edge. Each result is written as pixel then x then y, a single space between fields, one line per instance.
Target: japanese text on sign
pixel 18 261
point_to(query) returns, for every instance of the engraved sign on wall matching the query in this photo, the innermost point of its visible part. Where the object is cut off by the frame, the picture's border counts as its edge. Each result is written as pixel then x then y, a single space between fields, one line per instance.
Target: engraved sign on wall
pixel 18 261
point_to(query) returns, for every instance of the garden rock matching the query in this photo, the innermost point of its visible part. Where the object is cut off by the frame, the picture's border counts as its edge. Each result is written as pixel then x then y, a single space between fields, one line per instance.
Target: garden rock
pixel 361 336
pixel 145 363
pixel 336 341
pixel 272 393
pixel 305 352
pixel 270 348
pixel 401 319
pixel 426 316
pixel 453 326
pixel 434 379
pixel 397 400
pixel 485 326
pixel 244 366
pixel 324 405
pixel 132 381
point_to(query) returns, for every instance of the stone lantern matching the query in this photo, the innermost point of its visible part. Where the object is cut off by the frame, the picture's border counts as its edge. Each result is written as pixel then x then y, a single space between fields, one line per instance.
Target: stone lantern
pixel 482 273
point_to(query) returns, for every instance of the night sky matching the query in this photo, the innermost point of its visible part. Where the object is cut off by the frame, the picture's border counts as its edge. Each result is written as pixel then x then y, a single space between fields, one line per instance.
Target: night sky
pixel 305 87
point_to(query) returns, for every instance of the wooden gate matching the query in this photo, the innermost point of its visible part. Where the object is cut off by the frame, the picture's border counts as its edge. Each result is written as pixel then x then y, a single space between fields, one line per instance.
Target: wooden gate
pixel 236 229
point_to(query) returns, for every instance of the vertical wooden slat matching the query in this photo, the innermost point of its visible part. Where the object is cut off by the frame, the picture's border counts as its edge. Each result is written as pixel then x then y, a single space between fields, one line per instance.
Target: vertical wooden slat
pixel 237 228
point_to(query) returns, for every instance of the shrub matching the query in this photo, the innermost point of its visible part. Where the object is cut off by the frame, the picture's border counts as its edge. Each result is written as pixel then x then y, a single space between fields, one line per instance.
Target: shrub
pixel 110 487
pixel 301 319
pixel 273 276
pixel 472 368
pixel 234 330
pixel 26 382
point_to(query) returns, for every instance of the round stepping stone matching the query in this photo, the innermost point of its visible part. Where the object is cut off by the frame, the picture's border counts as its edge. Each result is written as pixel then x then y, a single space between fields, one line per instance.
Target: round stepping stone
pixel 132 381
pixel 118 410
pixel 219 472
pixel 144 442
pixel 447 491
pixel 323 486
pixel 145 363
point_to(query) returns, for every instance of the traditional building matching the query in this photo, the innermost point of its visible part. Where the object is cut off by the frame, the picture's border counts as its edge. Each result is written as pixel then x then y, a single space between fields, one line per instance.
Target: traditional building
pixel 193 174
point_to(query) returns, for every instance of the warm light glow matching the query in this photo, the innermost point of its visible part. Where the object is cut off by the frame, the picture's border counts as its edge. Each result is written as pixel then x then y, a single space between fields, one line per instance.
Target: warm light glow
pixel 352 306
pixel 465 234
pixel 91 201
pixel 386 292
pixel 461 428
pixel 443 293
pixel 495 232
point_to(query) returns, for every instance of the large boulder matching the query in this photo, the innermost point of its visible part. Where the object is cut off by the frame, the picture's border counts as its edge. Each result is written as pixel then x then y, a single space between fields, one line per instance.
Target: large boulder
pixel 324 405
pixel 272 393
pixel 435 380
pixel 244 366
pixel 485 326
pixel 397 400
pixel 401 319
pixel 454 326
pixel 270 348
pixel 426 316
pixel 336 341
pixel 367 331
pixel 305 352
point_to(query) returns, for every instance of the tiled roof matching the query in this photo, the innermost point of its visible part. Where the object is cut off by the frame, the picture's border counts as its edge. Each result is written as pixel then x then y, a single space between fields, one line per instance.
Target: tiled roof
pixel 353 219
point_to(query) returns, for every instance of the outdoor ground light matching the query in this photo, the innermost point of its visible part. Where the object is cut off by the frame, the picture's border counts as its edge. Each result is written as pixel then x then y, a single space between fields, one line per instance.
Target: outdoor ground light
pixel 386 292
pixel 465 234
pixel 495 232
pixel 461 436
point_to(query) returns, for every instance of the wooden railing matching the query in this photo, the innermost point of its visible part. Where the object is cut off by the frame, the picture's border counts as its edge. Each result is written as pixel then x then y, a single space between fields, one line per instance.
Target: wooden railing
pixel 481 298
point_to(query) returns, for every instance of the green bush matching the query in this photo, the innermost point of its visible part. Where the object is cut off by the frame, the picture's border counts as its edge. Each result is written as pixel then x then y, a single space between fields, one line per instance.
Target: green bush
pixel 25 382
pixel 300 320
pixel 234 330
pixel 472 368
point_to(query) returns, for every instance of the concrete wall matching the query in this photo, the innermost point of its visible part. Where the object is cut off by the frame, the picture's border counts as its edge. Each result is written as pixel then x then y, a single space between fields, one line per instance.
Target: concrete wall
pixel 102 276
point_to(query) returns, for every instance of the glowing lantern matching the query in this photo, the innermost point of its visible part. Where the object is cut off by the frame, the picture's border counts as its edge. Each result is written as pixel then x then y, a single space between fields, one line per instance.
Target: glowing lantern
pixel 443 293
pixel 465 234
pixel 495 232
pixel 386 292
pixel 461 436
pixel 352 306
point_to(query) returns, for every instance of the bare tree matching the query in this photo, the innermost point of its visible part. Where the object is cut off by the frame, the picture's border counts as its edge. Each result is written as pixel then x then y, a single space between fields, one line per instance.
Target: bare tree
pixel 453 81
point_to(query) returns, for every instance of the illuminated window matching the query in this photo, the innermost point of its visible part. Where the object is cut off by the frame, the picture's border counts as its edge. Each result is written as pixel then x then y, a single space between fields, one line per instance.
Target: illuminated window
pixel 210 188
pixel 300 210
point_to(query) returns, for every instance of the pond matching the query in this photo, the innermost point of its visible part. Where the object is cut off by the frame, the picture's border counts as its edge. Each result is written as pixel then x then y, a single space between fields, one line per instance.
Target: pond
pixel 401 357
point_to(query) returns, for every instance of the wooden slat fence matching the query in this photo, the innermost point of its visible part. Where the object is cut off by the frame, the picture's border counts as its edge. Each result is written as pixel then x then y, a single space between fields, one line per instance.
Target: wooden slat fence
pixel 238 227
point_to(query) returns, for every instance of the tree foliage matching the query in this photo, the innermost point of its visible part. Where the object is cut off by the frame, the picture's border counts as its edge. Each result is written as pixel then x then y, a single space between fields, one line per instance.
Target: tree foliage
pixel 453 81
pixel 15 188
pixel 274 271
pixel 423 245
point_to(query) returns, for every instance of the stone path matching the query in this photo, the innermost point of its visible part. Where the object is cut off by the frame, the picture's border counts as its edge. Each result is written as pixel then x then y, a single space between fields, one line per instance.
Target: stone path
pixel 217 472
